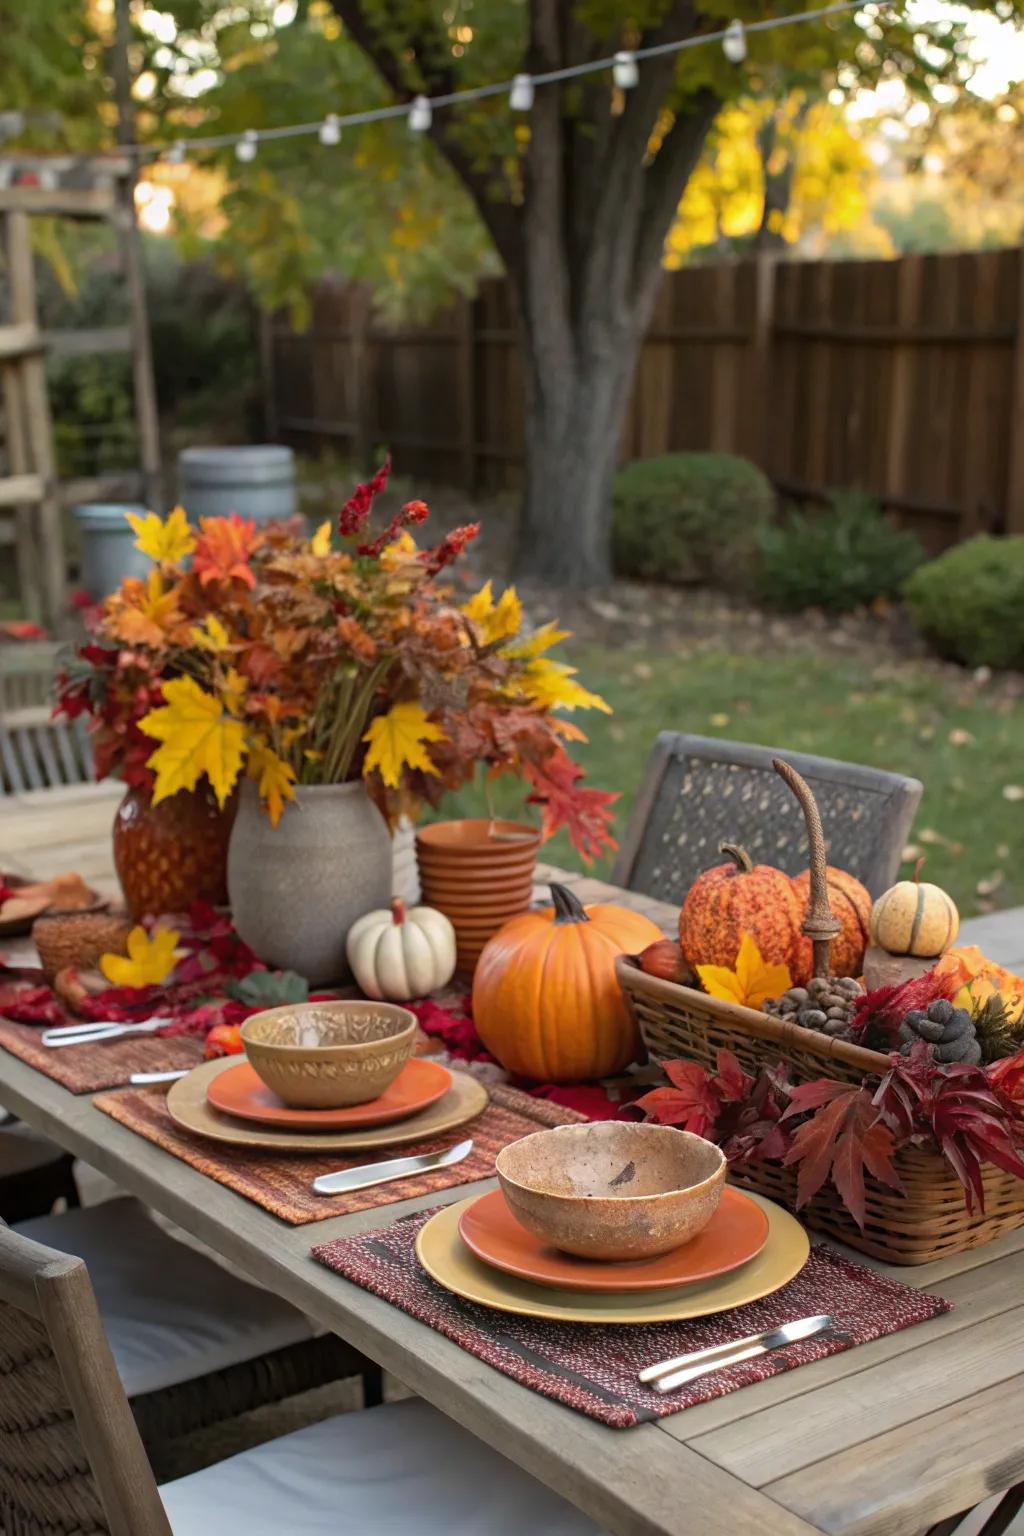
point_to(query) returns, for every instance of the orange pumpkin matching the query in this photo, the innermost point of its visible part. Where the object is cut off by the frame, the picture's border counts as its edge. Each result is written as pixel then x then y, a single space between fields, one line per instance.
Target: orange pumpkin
pixel 545 999
pixel 851 907
pixel 740 897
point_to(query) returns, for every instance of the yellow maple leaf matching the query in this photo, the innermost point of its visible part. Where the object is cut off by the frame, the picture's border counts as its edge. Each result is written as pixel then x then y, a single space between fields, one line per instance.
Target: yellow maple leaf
pixel 320 543
pixel 167 539
pixel 275 776
pixel 553 684
pixel 198 737
pixel 495 620
pixel 540 641
pixel 149 961
pixel 212 636
pixel 233 690
pixel 397 741
pixel 751 982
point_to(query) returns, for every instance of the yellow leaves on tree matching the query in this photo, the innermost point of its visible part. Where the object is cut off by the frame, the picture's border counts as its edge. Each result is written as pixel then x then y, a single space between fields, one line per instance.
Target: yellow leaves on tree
pixel 197 737
pixel 494 620
pixel 751 982
pixel 145 611
pixel 166 540
pixel 149 961
pixel 397 740
pixel 275 776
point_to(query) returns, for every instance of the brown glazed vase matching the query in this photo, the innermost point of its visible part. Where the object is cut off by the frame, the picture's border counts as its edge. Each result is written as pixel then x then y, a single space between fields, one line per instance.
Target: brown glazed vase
pixel 174 853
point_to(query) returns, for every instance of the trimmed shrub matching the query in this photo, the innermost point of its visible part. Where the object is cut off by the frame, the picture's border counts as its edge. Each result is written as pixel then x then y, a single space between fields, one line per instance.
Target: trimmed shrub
pixel 838 560
pixel 970 602
pixel 687 517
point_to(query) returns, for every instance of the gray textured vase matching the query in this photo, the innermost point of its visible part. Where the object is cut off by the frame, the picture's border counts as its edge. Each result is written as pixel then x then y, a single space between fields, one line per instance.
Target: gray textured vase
pixel 297 888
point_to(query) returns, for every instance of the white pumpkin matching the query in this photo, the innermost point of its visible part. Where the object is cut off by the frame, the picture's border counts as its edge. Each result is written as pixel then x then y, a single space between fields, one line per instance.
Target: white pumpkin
pixel 401 954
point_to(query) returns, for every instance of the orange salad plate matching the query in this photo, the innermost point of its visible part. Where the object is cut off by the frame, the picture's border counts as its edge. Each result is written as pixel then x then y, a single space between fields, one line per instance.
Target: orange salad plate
pixel 737 1232
pixel 241 1093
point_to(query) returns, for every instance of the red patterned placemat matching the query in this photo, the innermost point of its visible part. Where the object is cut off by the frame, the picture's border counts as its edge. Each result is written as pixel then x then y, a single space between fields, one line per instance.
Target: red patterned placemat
pixel 107 1064
pixel 593 1367
pixel 281 1181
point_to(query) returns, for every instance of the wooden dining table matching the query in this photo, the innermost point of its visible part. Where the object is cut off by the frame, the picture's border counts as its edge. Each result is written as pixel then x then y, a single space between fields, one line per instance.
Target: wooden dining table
pixel 892 1438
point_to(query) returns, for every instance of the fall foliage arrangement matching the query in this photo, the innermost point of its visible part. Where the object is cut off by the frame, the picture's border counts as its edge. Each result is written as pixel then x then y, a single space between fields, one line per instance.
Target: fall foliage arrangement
pixel 297 661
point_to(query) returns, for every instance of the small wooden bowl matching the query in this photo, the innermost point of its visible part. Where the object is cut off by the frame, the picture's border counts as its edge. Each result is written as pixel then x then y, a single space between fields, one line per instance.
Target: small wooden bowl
pixel 612 1189
pixel 329 1055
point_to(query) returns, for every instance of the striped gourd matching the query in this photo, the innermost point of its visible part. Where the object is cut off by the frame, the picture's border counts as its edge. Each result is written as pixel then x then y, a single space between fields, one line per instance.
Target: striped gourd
pixel 914 918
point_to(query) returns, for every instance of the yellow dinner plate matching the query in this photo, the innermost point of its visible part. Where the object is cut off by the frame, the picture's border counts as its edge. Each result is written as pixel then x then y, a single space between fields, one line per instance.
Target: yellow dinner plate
pixel 447 1260
pixel 188 1107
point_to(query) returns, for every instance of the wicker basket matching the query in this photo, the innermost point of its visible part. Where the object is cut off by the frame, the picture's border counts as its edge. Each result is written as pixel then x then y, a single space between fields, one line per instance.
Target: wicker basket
pixel 929 1220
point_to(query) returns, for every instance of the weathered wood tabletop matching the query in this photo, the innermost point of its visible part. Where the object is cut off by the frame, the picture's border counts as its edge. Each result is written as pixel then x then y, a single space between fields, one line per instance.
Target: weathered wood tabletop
pixel 884 1440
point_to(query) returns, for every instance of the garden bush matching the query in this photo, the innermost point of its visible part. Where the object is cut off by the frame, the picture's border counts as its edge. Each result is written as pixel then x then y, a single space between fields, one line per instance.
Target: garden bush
pixel 686 517
pixel 970 602
pixel 838 559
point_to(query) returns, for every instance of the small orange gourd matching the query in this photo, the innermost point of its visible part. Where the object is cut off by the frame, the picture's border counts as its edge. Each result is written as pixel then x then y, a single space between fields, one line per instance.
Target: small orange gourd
pixel 545 999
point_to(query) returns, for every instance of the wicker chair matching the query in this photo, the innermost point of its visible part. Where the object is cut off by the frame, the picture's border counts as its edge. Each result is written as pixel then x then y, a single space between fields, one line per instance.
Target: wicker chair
pixel 194 1344
pixel 699 792
pixel 71 1460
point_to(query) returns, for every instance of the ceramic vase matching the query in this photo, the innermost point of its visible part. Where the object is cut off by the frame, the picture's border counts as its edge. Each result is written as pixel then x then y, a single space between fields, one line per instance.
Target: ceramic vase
pixel 297 888
pixel 174 853
pixel 479 873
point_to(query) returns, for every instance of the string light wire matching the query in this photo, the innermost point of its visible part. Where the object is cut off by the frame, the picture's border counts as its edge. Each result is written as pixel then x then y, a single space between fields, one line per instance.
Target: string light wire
pixel 176 149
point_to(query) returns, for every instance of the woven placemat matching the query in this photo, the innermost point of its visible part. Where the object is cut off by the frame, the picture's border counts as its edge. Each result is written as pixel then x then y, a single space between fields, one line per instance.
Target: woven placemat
pixel 281 1182
pixel 593 1367
pixel 107 1064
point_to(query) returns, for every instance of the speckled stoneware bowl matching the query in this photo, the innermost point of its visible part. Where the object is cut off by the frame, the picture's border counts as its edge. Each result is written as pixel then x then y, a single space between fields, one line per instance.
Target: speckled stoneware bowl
pixel 329 1055
pixel 613 1190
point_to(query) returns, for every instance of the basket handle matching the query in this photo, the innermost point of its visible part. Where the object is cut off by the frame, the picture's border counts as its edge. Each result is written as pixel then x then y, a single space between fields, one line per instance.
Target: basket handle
pixel 820 924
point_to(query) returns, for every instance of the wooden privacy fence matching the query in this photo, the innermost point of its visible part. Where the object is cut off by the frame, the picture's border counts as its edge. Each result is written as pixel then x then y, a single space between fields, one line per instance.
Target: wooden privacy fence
pixel 905 378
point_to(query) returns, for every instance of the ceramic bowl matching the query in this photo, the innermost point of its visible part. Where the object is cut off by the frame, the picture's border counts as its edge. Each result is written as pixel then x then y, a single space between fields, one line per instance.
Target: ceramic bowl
pixel 476 838
pixel 329 1055
pixel 611 1189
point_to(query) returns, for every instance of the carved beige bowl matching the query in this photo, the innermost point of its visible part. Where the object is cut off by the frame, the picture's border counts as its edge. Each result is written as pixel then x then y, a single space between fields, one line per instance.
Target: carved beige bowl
pixel 329 1055
pixel 612 1190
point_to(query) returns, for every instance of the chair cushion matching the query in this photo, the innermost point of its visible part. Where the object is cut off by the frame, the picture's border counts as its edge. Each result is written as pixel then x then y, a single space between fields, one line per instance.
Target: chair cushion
pixel 171 1314
pixel 22 1149
pixel 395 1470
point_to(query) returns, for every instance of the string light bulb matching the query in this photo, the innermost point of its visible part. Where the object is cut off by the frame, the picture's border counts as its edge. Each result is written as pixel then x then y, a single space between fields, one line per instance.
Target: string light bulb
pixel 245 149
pixel 734 42
pixel 420 115
pixel 520 97
pixel 329 131
pixel 624 71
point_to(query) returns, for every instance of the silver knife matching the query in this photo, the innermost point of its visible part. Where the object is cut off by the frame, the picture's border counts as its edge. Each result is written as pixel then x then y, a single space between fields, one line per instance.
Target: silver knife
pixel 348 1179
pixel 667 1375
pixel 143 1079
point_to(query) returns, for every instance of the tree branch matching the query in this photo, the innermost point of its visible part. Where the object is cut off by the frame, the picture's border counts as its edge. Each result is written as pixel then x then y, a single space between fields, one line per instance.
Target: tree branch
pixel 501 219
pixel 663 184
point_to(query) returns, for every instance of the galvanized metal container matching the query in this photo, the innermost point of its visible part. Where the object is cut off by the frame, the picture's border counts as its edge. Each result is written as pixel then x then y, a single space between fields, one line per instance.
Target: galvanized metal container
pixel 256 481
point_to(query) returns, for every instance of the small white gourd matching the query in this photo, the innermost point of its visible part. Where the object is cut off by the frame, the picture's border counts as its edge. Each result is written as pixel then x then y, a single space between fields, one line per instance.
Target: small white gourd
pixel 400 954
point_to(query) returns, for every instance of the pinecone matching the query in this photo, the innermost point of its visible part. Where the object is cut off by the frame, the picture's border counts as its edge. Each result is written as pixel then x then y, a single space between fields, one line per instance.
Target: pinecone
pixel 949 1031
pixel 826 1003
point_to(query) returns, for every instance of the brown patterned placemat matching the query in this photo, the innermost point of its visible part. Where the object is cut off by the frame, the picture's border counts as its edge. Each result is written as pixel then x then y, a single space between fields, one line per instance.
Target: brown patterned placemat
pixel 281 1182
pixel 107 1064
pixel 593 1367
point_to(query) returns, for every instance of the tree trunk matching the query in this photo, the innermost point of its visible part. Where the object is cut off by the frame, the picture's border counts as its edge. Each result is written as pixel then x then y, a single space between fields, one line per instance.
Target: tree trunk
pixel 573 432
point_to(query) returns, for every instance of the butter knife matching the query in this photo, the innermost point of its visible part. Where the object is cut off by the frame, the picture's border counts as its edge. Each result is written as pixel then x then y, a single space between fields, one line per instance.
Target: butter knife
pixel 348 1179
pixel 667 1375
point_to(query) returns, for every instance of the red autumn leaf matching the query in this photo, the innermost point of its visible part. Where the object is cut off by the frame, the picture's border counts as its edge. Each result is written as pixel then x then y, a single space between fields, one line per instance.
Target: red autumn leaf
pixel 1007 1078
pixel 223 549
pixel 842 1138
pixel 879 1014
pixel 31 1005
pixel 584 813
pixel 691 1102
pixel 732 1082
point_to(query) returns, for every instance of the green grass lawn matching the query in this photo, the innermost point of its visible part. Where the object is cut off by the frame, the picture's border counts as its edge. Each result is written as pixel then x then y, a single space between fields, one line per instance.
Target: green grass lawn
pixel 965 742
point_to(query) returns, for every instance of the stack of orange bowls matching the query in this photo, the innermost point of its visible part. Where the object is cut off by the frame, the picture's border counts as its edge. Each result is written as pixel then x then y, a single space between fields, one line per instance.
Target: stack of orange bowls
pixel 479 873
